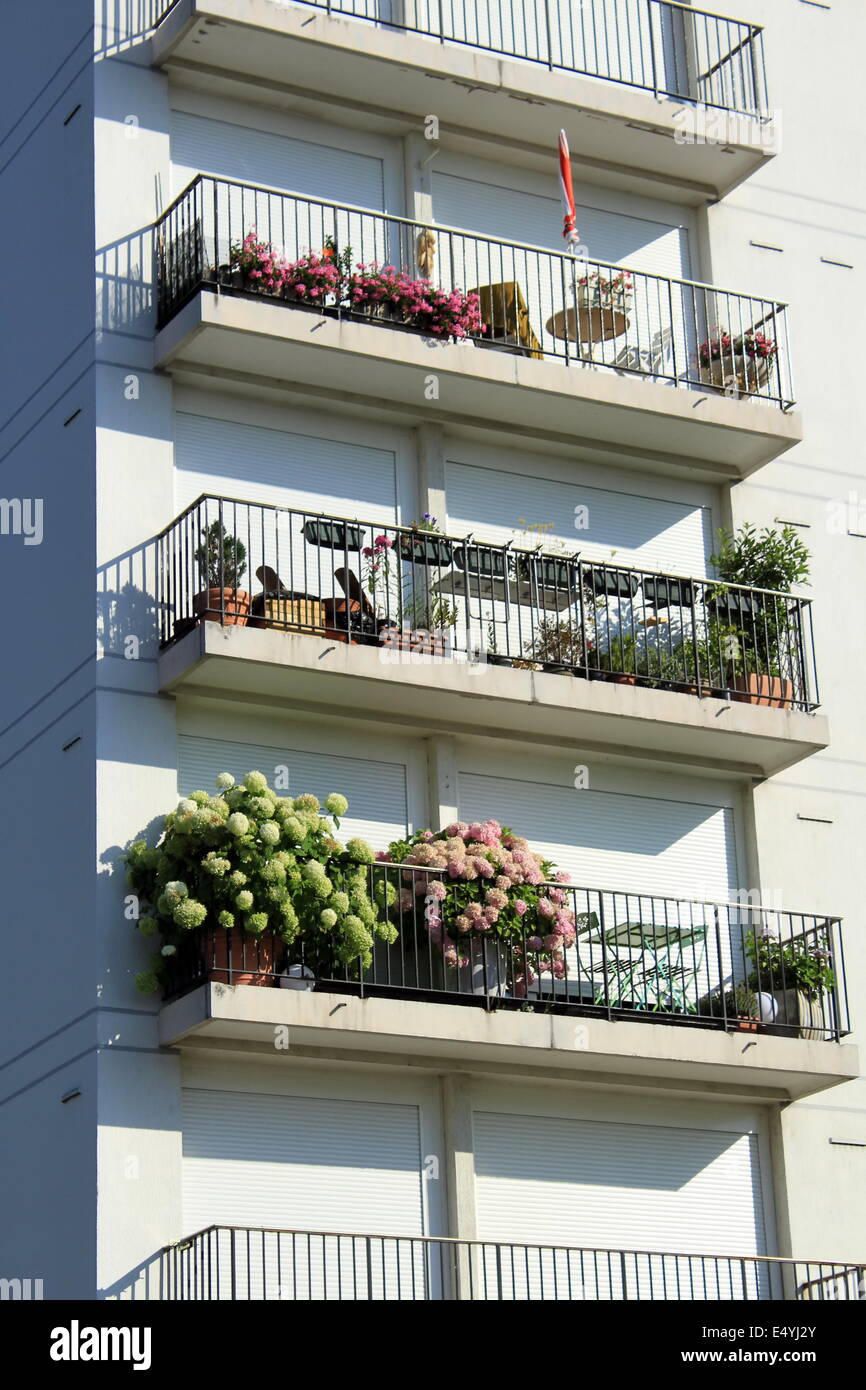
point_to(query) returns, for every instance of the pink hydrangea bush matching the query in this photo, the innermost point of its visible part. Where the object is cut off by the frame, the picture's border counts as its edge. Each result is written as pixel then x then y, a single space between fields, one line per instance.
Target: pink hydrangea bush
pixel 469 881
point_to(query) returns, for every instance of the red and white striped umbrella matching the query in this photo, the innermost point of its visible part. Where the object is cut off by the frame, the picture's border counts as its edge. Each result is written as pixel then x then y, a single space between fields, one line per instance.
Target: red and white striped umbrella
pixel 569 230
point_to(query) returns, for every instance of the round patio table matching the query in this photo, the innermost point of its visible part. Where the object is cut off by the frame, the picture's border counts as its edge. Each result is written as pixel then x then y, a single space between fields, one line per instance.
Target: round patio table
pixel 595 325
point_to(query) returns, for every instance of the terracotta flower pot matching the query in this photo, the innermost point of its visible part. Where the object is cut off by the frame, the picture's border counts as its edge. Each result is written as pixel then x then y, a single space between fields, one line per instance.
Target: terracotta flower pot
pixel 774 691
pixel 230 606
pixel 746 1024
pixel 421 641
pixel 249 960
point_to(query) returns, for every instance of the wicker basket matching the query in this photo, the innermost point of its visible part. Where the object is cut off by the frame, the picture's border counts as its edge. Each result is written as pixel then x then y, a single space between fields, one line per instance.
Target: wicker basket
pixel 294 614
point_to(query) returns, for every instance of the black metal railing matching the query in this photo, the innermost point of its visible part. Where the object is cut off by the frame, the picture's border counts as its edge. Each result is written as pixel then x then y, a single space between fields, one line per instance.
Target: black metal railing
pixel 243 1262
pixel 659 46
pixel 587 951
pixel 423 596
pixel 537 303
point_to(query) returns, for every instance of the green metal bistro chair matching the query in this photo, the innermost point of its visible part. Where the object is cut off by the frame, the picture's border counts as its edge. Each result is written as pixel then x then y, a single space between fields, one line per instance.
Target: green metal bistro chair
pixel 654 966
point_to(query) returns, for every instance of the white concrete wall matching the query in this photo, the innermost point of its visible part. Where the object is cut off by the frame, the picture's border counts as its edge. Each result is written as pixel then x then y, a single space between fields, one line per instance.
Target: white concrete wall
pixel 810 822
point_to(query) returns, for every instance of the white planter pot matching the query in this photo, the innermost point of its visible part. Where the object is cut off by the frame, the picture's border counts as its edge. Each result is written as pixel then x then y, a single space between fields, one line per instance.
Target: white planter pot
pixel 768 1007
pixel 797 1011
pixel 487 971
pixel 593 297
pixel 297 977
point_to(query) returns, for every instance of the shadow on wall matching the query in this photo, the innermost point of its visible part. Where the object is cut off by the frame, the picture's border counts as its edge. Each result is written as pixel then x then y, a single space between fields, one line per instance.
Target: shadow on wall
pixel 126 607
pixel 125 279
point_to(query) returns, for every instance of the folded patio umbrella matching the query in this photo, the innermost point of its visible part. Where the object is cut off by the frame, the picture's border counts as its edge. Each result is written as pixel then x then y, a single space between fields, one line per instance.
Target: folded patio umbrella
pixel 569 229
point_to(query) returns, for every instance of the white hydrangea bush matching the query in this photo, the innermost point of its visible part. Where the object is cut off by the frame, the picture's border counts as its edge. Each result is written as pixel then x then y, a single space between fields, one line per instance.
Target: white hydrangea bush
pixel 249 859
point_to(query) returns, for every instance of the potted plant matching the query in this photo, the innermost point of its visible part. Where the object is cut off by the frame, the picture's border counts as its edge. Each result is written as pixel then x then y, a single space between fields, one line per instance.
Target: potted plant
pixel 546 571
pixel 383 292
pixel 738 1005
pixel 494 657
pixel 761 628
pixel 606 292
pixel 482 561
pixel 744 360
pixel 798 974
pixel 558 645
pixel 423 544
pixel 333 535
pixel 221 559
pixel 616 661
pixel 610 583
pixel 411 616
pixel 312 279
pixel 489 905
pixel 243 878
pixel 661 592
pixel 255 265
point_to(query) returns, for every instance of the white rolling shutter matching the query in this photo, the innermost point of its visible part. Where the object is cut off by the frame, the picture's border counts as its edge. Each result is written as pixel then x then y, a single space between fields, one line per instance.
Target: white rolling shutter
pixel 277 468
pixel 633 844
pixel 598 1185
pixel 495 210
pixel 200 145
pixel 649 532
pixel 300 471
pixel 376 791
pixel 301 1163
pixel 292 225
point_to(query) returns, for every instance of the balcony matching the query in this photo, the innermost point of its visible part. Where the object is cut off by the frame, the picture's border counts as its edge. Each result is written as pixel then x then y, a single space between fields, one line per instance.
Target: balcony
pixel 665 98
pixel 702 997
pixel 445 632
pixel 625 367
pixel 242 1262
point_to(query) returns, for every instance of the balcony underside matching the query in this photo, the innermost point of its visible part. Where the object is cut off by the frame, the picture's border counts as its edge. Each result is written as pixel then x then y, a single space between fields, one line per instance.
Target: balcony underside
pixel 435 1035
pixel 619 134
pixel 430 695
pixel 603 415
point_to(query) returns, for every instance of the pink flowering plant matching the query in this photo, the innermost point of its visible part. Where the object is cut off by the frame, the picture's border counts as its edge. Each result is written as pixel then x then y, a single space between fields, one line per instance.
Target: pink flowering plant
pixel 604 291
pixel 439 313
pixel 263 267
pixel 481 880
pixel 721 346
pixel 313 278
pixel 757 345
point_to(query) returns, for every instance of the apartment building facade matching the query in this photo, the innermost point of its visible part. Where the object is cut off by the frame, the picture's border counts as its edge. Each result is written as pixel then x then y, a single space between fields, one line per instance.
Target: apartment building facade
pixel 408 1129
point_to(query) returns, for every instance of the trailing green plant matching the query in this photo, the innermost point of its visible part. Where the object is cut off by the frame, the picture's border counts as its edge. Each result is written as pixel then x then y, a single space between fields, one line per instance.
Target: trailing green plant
pixel 802 964
pixel 221 557
pixel 249 860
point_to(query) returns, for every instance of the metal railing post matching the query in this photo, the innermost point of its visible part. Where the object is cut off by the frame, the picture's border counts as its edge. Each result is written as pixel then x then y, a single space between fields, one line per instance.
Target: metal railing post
pixel 652 39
